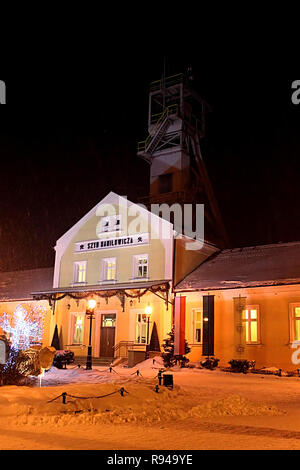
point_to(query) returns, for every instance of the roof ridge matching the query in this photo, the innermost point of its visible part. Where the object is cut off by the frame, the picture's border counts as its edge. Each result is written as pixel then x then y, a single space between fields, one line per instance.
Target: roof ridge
pixel 258 247
pixel 25 270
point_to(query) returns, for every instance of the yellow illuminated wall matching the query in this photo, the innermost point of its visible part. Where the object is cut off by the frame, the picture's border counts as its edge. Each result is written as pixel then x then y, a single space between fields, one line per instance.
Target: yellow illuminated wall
pixel 275 341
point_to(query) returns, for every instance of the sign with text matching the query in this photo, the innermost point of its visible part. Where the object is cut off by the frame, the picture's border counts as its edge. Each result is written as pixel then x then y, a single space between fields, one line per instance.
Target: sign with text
pixel 111 243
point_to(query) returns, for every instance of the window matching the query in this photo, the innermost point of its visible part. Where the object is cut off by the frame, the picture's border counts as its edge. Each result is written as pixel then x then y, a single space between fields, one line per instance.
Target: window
pixel 76 328
pixel 109 321
pixel 140 267
pixel 109 269
pixel 111 223
pixel 251 322
pixel 141 330
pixel 197 326
pixel 295 322
pixel 79 275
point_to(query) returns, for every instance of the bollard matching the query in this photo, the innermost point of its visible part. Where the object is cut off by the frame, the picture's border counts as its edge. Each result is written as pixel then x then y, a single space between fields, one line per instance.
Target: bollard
pixel 159 376
pixel 64 398
pixel 168 380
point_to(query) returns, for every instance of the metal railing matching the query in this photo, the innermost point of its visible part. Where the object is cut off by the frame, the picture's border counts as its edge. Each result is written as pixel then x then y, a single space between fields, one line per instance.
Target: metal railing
pixel 121 349
pixel 167 82
pixel 170 110
pixel 183 196
pixel 173 109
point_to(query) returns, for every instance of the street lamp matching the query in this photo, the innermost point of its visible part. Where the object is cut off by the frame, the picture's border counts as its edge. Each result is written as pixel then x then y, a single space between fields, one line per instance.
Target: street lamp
pixel 90 314
pixel 148 311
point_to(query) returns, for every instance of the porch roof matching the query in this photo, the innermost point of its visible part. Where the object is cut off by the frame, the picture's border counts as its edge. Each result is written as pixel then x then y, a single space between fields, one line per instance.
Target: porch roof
pixel 107 291
pixel 258 266
pixel 102 287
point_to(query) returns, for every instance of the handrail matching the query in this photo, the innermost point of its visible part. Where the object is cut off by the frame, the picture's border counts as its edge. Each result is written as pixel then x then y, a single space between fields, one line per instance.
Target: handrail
pixel 173 109
pixel 168 81
pixel 128 345
pixel 118 346
pixel 121 343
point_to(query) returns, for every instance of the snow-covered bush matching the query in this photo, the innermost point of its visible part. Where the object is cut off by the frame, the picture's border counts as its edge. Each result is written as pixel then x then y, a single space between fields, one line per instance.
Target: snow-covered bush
pixel 62 358
pixel 210 363
pixel 242 366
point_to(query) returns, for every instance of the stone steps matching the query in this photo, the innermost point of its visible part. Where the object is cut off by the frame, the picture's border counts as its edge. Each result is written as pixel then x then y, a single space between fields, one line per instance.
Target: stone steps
pixel 96 361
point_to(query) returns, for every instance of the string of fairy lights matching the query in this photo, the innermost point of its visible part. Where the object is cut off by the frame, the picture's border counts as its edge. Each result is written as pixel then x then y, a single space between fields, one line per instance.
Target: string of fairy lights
pixel 25 327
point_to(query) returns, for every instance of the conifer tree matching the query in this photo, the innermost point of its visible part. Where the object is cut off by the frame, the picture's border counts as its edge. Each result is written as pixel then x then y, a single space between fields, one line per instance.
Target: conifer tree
pixel 169 358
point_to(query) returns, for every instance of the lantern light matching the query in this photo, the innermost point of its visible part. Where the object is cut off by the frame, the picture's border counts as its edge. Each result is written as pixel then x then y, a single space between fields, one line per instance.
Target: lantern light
pixel 148 309
pixel 92 304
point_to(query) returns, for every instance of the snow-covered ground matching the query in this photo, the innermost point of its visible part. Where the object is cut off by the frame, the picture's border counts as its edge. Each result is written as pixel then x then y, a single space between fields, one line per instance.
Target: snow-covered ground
pixel 205 410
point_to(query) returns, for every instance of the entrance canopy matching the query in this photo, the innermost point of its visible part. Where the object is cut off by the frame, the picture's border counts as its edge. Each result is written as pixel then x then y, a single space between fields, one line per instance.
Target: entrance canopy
pixel 122 291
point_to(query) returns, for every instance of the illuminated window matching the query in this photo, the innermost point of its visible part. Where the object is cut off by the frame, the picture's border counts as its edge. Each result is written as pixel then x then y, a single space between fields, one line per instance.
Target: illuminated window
pixel 76 328
pixel 141 329
pixel 251 322
pixel 109 269
pixel 109 321
pixel 197 326
pixel 79 275
pixel 295 322
pixel 140 266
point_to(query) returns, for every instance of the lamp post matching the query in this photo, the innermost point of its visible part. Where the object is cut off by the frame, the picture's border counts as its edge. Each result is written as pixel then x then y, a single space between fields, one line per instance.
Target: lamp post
pixel 90 314
pixel 148 311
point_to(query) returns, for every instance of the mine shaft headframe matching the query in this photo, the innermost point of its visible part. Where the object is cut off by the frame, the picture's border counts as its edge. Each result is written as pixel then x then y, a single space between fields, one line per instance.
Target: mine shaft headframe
pixel 177 91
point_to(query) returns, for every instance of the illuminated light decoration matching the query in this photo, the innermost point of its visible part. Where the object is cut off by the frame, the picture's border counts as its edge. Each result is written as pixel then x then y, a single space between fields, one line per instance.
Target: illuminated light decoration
pixel 158 289
pixel 41 376
pixel 27 326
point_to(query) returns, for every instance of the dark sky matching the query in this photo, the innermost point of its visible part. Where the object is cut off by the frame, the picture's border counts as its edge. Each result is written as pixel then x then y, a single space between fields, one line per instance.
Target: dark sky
pixel 68 136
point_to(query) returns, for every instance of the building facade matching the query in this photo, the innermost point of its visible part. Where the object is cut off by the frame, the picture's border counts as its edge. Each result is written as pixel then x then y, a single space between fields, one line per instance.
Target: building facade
pixel 235 304
pixel 254 308
pixel 16 295
pixel 125 258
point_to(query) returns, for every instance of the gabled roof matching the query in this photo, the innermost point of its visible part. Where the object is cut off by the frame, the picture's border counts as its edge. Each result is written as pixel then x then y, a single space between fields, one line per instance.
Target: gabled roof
pixel 266 265
pixel 111 198
pixel 18 285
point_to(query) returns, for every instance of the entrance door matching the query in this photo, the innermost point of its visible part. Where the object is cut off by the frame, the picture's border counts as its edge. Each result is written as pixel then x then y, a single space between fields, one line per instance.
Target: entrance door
pixel 107 337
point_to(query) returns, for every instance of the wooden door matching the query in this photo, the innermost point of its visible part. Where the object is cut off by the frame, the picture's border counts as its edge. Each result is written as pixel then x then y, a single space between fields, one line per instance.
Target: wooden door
pixel 107 336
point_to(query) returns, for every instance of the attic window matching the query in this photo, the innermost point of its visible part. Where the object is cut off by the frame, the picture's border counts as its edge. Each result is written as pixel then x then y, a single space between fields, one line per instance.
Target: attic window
pixel 110 223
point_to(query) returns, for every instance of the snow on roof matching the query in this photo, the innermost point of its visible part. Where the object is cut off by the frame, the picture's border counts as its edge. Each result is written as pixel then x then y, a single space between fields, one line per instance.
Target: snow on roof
pixel 19 285
pixel 247 267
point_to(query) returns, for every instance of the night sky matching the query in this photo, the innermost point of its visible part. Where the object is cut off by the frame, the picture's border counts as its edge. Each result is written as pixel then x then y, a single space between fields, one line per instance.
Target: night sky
pixel 68 136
